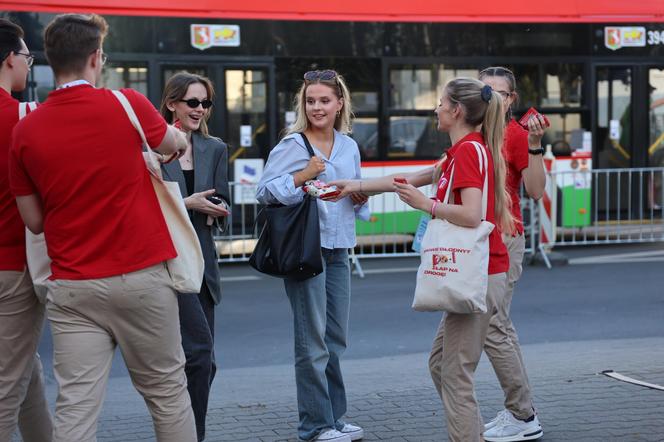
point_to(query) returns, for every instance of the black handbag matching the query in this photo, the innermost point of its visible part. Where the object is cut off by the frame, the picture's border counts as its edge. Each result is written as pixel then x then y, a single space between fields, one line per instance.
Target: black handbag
pixel 289 243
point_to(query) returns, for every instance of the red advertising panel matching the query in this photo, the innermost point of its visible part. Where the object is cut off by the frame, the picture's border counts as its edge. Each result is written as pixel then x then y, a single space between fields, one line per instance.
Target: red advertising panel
pixel 368 10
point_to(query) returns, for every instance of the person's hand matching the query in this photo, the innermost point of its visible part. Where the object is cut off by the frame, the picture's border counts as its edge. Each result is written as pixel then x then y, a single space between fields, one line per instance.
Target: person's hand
pixel 358 198
pixel 198 202
pixel 315 167
pixel 347 187
pixel 410 195
pixel 536 127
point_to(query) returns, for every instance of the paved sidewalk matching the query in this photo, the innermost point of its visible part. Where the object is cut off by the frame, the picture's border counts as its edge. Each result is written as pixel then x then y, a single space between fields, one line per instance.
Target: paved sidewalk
pixel 394 400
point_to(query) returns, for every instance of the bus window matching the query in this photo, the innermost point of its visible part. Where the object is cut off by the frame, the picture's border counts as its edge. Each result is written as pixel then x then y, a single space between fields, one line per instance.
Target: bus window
pixel 125 75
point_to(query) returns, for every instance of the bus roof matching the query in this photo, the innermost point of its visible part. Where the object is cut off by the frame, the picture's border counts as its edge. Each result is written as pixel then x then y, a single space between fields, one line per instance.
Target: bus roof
pixel 487 11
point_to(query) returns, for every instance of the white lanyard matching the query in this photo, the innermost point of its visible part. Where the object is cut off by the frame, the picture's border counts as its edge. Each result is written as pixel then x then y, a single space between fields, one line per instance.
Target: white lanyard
pixel 74 83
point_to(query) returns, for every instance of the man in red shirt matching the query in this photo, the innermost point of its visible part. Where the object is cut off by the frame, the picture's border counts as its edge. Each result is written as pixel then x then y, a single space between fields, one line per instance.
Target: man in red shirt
pixel 21 315
pixel 79 176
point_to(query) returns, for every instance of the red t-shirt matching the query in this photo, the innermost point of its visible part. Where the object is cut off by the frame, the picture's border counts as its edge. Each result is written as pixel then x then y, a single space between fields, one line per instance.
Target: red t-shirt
pixel 12 229
pixel 81 155
pixel 467 174
pixel 515 151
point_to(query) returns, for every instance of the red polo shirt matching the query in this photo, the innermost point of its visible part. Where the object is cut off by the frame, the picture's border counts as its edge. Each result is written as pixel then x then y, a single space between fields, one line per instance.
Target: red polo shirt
pixel 515 151
pixel 82 156
pixel 12 229
pixel 467 174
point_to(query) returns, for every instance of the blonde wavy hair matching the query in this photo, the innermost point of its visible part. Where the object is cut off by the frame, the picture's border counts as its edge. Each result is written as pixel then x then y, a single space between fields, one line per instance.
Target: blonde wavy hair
pixel 467 93
pixel 343 122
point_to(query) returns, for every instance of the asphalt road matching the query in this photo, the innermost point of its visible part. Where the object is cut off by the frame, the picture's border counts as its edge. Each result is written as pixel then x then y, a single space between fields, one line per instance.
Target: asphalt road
pixel 607 293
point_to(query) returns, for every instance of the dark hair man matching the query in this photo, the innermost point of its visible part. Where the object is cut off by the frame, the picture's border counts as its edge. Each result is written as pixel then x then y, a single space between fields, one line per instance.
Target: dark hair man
pixel 21 314
pixel 78 173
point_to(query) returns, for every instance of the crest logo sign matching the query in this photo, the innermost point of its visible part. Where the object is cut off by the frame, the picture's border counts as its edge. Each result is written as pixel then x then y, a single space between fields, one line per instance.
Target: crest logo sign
pixel 207 36
pixel 616 37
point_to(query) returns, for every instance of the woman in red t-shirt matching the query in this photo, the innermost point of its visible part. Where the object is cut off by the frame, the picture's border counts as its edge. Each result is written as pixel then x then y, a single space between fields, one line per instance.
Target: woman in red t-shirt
pixel 523 154
pixel 471 112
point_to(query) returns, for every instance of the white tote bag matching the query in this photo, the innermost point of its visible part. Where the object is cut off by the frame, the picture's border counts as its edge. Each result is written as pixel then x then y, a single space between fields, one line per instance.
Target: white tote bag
pixel 187 269
pixel 454 268
pixel 39 264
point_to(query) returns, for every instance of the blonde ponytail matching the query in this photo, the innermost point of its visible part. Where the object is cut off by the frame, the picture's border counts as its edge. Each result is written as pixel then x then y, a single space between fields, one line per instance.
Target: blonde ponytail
pixel 493 128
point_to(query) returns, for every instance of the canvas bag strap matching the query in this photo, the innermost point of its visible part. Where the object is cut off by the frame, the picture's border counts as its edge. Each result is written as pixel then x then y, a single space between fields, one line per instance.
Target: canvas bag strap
pixel 481 154
pixel 151 161
pixel 446 200
pixel 23 109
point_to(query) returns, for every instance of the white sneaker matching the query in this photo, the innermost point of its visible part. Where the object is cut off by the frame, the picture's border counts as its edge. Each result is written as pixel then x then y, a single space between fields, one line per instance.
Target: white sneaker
pixel 355 432
pixel 332 435
pixel 510 429
pixel 492 423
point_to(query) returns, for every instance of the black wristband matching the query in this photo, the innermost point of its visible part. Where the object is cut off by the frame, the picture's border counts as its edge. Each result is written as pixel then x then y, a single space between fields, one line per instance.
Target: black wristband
pixel 537 151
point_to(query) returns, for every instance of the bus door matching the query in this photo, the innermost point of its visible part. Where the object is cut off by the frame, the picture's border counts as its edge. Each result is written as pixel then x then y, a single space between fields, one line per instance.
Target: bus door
pixel 629 134
pixel 656 135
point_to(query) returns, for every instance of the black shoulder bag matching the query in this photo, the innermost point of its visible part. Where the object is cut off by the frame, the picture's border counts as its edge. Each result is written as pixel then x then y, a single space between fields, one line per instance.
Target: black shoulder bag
pixel 289 243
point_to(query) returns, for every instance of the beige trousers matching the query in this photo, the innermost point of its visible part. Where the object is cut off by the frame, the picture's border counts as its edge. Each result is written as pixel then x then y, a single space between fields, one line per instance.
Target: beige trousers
pixel 456 351
pixel 138 312
pixel 502 343
pixel 22 398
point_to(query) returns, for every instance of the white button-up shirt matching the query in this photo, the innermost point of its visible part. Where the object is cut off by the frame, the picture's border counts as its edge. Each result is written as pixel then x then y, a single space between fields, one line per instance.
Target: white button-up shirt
pixel 337 220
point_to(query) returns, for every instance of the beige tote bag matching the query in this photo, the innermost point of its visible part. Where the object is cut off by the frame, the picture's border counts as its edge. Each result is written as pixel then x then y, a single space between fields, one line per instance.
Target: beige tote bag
pixel 454 268
pixel 187 269
pixel 39 264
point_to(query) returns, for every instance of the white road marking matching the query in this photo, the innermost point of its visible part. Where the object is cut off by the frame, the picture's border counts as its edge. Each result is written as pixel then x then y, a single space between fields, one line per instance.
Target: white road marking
pixel 648 256
pixel 240 278
pixel 622 377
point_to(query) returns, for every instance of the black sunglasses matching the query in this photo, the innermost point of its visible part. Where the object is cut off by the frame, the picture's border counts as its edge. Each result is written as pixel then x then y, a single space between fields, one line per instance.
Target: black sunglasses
pixel 325 75
pixel 195 102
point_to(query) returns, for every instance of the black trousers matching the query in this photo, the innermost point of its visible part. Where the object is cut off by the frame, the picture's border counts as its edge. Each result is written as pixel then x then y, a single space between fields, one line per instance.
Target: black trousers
pixel 197 329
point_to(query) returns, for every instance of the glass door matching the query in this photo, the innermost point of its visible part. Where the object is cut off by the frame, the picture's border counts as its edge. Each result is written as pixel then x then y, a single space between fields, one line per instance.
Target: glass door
pixel 613 137
pixel 246 104
pixel 656 135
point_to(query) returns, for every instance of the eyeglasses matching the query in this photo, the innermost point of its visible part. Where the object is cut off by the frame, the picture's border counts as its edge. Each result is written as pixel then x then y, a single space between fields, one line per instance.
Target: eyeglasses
pixel 104 58
pixel 195 102
pixel 29 58
pixel 325 75
pixel 504 94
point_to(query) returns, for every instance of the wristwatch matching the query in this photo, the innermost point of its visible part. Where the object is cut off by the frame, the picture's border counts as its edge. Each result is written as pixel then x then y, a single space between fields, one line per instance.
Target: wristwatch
pixel 536 151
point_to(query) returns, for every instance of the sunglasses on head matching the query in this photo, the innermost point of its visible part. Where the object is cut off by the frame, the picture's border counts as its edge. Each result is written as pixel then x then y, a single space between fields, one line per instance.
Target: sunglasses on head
pixel 195 102
pixel 497 72
pixel 325 75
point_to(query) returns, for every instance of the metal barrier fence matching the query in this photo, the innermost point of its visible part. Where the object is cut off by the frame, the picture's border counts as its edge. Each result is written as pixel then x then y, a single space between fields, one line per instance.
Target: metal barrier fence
pixel 608 206
pixel 603 206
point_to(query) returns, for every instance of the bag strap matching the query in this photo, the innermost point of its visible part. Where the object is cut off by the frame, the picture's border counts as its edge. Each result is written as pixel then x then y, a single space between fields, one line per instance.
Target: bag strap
pixel 308 145
pixel 481 155
pixel 150 161
pixel 23 108
pixel 484 163
pixel 446 200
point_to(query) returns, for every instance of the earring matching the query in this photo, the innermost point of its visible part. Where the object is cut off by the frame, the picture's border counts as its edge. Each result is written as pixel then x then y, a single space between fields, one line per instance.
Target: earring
pixel 338 114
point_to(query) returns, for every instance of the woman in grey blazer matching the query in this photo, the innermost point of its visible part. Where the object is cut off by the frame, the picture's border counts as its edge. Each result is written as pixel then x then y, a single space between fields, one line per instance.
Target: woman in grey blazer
pixel 202 173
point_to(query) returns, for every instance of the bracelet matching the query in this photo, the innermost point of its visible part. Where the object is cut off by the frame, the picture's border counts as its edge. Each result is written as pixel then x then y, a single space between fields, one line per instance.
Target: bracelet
pixel 433 209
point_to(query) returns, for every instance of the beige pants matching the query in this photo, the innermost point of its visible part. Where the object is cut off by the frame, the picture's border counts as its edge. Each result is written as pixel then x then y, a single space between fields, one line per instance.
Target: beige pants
pixel 22 398
pixel 137 312
pixel 502 343
pixel 456 351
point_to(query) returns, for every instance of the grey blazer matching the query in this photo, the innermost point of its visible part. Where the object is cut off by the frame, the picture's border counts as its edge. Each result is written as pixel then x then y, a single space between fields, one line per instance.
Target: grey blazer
pixel 210 172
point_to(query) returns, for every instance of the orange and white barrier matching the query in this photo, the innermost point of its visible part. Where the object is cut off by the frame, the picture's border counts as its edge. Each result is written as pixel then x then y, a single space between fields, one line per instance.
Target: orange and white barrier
pixel 547 205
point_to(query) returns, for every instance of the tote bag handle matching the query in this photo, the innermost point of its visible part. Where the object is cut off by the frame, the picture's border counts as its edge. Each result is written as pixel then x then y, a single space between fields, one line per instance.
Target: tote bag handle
pixel 481 154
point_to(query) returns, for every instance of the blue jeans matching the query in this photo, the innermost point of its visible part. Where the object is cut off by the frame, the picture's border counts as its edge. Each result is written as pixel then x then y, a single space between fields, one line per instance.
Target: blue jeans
pixel 320 318
pixel 197 329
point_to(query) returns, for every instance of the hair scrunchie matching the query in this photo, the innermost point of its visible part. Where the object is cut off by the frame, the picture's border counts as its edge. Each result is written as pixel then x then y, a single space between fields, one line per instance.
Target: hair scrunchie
pixel 486 93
